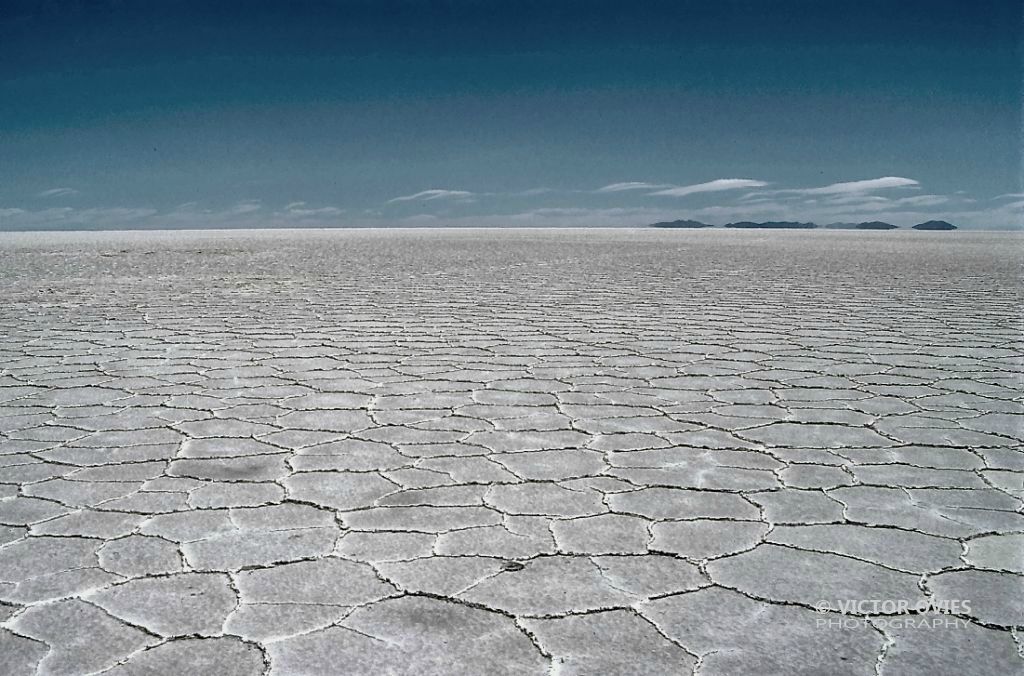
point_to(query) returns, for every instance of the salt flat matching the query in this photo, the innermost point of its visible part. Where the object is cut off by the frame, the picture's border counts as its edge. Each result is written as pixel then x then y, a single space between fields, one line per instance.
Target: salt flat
pixel 511 451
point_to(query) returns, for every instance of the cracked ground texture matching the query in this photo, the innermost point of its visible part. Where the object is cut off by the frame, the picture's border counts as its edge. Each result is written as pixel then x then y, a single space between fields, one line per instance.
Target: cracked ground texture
pixel 520 451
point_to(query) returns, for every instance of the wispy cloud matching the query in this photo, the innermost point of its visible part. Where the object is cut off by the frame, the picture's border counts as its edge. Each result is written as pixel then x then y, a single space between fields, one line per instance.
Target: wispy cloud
pixel 850 187
pixel 632 185
pixel 302 210
pixel 923 200
pixel 246 207
pixel 851 198
pixel 856 207
pixel 547 217
pixel 68 218
pixel 712 186
pixel 1007 216
pixel 427 195
pixel 851 201
pixel 57 192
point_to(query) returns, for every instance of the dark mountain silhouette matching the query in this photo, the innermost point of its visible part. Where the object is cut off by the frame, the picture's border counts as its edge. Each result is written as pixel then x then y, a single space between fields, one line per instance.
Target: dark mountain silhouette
pixel 772 225
pixel 795 225
pixel 681 224
pixel 935 225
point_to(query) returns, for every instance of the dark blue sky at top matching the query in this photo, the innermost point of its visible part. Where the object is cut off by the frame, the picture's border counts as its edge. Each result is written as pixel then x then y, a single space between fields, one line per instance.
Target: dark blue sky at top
pixel 219 113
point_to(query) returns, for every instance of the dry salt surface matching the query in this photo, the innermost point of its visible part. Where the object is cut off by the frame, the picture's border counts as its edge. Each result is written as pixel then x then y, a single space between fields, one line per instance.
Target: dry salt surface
pixel 511 452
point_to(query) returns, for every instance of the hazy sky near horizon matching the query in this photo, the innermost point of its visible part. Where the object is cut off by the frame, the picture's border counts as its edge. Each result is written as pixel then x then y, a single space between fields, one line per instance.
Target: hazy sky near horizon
pixel 223 114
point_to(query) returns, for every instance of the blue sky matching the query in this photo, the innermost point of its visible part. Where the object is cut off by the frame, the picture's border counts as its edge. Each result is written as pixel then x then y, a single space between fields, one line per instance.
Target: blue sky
pixel 216 114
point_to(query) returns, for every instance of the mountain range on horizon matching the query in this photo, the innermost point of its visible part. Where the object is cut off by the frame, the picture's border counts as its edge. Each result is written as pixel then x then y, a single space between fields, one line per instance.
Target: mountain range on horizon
pixel 796 225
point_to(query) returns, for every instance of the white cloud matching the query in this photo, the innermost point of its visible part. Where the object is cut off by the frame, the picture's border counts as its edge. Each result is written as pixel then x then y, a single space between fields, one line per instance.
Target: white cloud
pixel 246 207
pixel 531 192
pixel 57 192
pixel 300 210
pixel 863 201
pixel 712 186
pixel 432 195
pixel 632 185
pixel 850 187
pixel 846 202
pixel 851 208
pixel 547 217
pixel 70 219
pixel 114 215
pixel 923 200
pixel 851 198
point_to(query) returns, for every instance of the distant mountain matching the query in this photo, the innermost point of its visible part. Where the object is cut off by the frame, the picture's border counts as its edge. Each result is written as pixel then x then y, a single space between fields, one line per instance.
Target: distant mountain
pixel 795 225
pixel 876 225
pixel 772 225
pixel 681 224
pixel 935 225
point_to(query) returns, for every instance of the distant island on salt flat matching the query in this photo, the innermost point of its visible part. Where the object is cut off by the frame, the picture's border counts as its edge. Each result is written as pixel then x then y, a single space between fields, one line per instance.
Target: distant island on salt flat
pixel 935 225
pixel 796 225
